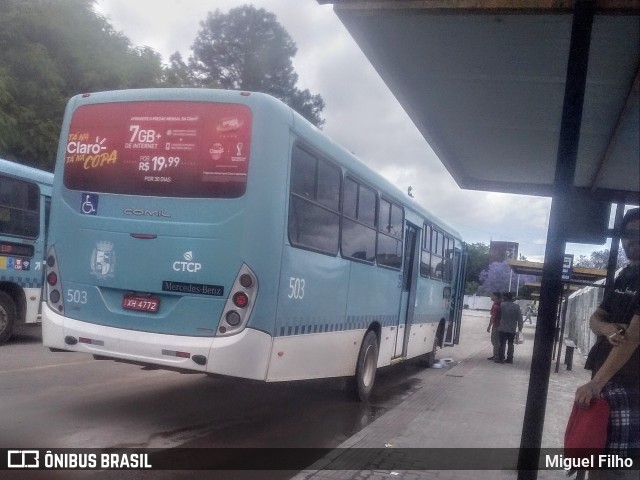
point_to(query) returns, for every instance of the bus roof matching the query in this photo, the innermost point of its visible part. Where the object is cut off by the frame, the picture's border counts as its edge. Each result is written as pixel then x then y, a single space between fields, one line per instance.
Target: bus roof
pixel 19 170
pixel 299 124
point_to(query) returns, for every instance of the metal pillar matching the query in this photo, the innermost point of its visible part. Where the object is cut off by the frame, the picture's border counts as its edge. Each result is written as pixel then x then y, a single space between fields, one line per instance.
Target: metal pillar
pixel 551 287
pixel 563 321
pixel 615 247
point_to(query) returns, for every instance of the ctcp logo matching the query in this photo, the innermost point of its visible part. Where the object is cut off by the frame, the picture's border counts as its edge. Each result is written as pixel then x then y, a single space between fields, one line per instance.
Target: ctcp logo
pixel 188 265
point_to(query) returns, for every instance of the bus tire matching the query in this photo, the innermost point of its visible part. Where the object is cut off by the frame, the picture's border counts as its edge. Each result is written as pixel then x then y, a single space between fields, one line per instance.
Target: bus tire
pixel 366 367
pixel 430 358
pixel 7 317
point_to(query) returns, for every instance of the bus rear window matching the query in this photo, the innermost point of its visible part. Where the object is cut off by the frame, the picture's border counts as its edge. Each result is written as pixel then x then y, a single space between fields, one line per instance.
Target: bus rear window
pixel 166 149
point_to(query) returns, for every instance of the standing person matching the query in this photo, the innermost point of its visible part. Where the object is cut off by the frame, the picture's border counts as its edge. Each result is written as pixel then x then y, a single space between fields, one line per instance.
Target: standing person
pixel 614 359
pixel 528 314
pixel 494 323
pixel 510 322
pixel 610 383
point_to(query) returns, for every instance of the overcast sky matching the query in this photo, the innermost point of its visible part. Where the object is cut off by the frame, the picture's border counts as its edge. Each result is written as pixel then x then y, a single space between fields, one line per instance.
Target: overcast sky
pixel 361 113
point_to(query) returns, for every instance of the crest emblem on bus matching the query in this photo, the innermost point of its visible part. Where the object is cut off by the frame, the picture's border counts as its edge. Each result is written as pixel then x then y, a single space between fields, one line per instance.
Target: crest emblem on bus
pixel 103 260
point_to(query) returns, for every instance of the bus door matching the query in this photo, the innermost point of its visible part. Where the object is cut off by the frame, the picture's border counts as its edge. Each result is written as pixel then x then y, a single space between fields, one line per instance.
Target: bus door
pixel 409 282
pixel 452 335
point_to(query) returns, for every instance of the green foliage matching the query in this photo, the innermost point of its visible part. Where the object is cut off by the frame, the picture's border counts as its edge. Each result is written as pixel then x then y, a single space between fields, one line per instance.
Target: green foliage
pixel 600 259
pixel 478 260
pixel 471 287
pixel 7 122
pixel 177 73
pixel 247 49
pixel 483 278
pixel 50 51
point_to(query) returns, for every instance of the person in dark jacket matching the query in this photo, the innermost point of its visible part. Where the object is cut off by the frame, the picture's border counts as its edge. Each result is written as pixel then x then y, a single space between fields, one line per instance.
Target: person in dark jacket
pixel 615 359
pixel 510 322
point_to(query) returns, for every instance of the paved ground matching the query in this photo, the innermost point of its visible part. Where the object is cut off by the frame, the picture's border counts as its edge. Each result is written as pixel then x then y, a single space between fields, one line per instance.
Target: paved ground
pixel 475 403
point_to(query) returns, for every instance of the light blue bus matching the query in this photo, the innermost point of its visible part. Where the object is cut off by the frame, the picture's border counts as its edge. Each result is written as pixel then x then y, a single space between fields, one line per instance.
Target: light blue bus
pixel 220 232
pixel 25 198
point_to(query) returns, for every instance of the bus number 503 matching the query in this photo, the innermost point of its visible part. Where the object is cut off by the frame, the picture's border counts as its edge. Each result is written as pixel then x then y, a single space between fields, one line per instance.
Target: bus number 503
pixel 296 288
pixel 77 296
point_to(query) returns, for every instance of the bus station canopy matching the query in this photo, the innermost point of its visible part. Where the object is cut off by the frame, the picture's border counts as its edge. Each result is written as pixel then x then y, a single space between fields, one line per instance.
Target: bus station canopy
pixel 579 277
pixel 578 274
pixel 485 81
pixel 537 97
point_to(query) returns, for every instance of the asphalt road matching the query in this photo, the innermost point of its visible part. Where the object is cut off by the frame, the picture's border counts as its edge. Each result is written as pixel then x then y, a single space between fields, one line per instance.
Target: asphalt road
pixel 70 400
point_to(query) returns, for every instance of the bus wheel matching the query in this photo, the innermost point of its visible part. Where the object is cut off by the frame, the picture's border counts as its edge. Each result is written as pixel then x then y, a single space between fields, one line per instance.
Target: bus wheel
pixel 7 317
pixel 430 358
pixel 366 366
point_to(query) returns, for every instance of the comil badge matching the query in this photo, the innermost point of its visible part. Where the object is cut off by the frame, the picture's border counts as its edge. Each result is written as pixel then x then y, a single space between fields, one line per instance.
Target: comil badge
pixel 103 260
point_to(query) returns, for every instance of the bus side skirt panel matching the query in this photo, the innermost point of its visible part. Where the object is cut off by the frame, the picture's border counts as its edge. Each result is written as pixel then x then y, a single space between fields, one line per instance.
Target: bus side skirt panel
pixel 320 355
pixel 421 338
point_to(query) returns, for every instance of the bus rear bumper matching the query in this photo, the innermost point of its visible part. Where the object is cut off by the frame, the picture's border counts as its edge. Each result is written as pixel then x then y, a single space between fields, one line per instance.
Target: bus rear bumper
pixel 244 355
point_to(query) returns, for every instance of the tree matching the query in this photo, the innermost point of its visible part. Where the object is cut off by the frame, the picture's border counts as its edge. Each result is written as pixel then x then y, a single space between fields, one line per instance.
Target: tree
pixel 7 122
pixel 177 73
pixel 498 277
pixel 478 260
pixel 247 49
pixel 600 259
pixel 471 287
pixel 50 51
pixel 495 278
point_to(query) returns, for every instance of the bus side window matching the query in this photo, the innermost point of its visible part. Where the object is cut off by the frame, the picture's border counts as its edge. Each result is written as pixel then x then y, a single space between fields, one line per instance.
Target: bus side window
pixel 359 221
pixel 437 246
pixel 328 187
pixel 425 257
pixel 449 260
pixel 303 173
pixel 390 221
pixel 314 203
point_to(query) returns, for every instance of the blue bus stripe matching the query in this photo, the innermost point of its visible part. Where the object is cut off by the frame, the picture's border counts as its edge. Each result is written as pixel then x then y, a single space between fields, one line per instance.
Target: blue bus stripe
pixel 317 324
pixel 23 282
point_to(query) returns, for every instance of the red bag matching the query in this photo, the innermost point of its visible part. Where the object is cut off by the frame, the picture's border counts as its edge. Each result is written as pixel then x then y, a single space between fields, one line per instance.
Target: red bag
pixel 587 428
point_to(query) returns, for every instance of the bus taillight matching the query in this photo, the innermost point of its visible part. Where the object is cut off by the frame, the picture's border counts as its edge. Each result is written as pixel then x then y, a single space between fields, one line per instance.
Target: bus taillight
pixel 53 291
pixel 246 281
pixel 239 304
pixel 54 296
pixel 233 318
pixel 240 300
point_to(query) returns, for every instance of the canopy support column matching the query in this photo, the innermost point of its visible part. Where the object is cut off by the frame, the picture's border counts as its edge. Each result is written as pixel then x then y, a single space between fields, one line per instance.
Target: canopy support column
pixel 551 286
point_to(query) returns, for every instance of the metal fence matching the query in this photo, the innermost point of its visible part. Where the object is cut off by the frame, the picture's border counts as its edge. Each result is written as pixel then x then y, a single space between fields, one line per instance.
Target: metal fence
pixel 580 306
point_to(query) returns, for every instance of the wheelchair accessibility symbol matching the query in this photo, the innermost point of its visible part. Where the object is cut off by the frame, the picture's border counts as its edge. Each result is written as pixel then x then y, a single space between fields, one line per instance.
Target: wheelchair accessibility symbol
pixel 89 204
